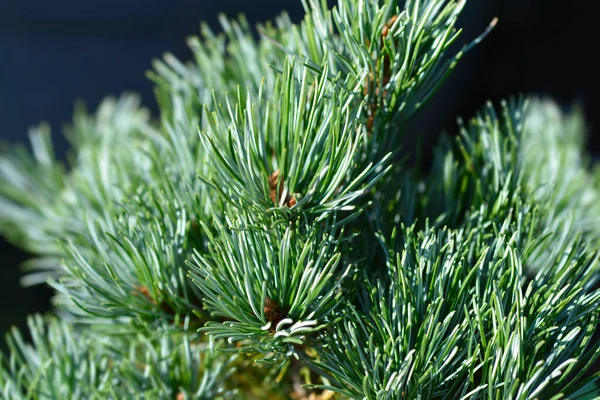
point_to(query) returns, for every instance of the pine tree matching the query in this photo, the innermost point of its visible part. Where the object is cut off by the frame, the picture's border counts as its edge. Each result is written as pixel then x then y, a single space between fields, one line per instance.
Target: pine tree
pixel 267 237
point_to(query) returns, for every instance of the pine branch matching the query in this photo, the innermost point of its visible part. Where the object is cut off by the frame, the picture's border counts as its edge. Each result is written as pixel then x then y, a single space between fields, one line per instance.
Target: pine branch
pixel 268 186
pixel 312 145
pixel 275 287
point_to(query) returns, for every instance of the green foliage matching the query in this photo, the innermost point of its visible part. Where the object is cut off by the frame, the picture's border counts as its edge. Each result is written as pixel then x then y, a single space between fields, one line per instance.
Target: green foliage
pixel 501 305
pixel 313 144
pixel 138 267
pixel 263 218
pixel 41 203
pixel 67 362
pixel 277 285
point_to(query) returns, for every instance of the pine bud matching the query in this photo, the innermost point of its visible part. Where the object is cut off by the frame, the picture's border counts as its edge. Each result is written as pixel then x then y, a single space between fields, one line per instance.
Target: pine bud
pixel 276 190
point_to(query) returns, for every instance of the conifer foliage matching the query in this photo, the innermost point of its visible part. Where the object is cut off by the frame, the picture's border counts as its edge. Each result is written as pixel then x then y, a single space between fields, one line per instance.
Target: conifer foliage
pixel 262 238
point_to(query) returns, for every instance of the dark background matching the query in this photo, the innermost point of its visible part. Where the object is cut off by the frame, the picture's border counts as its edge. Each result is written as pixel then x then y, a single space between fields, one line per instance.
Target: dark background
pixel 53 52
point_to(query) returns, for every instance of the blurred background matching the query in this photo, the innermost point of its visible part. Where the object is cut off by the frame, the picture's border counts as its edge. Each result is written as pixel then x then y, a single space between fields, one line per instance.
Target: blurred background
pixel 53 53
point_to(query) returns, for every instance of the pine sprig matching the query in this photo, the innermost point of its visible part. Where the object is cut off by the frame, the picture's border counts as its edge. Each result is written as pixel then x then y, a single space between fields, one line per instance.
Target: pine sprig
pixel 140 265
pixel 274 287
pixel 313 145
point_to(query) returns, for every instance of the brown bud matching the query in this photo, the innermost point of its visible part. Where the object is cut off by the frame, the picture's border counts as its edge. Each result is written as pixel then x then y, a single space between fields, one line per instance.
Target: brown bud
pixel 274 180
pixel 383 81
pixel 384 31
pixel 388 26
pixel 273 183
pixel 276 190
pixel 144 291
pixel 273 312
pixel 166 308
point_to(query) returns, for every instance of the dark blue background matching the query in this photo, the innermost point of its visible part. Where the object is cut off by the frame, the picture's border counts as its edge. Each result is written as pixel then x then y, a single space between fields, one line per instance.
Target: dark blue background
pixel 53 52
